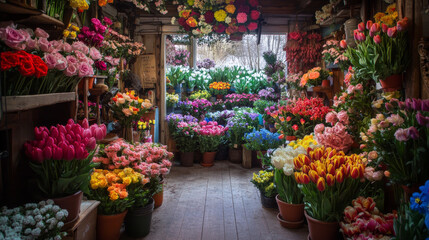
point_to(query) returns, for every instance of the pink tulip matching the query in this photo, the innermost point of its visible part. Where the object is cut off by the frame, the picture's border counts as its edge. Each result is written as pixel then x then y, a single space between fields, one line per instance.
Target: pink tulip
pixel 85 123
pixel 392 32
pixel 57 153
pixel 79 153
pixel 369 24
pixel 93 128
pixel 50 142
pixel 41 143
pixel 78 138
pixel 375 28
pixel 62 129
pixel 384 27
pixel 63 146
pixel 377 39
pixel 361 27
pixel 99 134
pixel 87 133
pixel 54 132
pixel 91 143
pixel 69 128
pixel 69 153
pixel 38 133
pixel 104 128
pixel 37 155
pixel 47 152
pixel 69 138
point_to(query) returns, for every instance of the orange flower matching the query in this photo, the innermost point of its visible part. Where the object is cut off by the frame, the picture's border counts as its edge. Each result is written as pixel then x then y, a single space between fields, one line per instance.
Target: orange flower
pixel 321 184
pixel 313 75
pixel 304 80
pixel 192 22
pixel 330 179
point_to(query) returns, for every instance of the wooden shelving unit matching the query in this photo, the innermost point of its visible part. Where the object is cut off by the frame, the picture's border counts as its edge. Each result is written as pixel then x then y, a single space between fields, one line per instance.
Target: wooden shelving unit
pixel 27 102
pixel 28 16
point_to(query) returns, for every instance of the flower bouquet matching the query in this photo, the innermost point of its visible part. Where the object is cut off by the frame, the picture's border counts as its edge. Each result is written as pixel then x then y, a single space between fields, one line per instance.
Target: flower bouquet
pixel 210 136
pixel 61 158
pixel 334 52
pixel 364 221
pixel 172 100
pixel 93 36
pixel 314 77
pixel 43 220
pixel 144 126
pixel 219 88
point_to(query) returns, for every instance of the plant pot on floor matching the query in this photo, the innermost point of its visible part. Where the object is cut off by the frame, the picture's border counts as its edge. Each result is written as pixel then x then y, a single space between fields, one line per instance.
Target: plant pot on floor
pixel 187 159
pixel 208 159
pixel 392 83
pixel 72 205
pixel 158 198
pixel 268 202
pixel 109 226
pixel 138 221
pixel 319 230
pixel 235 155
pixel 291 215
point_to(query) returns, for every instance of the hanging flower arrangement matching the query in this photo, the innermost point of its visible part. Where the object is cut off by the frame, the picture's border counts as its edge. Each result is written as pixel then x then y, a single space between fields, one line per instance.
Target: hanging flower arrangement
pixel 303 51
pixel 203 17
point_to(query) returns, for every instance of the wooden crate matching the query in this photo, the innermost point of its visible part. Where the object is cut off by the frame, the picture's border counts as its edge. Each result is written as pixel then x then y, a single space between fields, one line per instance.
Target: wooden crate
pixel 85 228
pixel 247 158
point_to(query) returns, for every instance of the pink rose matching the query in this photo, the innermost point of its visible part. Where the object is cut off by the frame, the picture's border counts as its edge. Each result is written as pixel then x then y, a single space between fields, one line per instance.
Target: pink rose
pixel 80 56
pixel 44 44
pixel 331 118
pixel 71 70
pixel 25 33
pixel 32 44
pixel 67 48
pixel 359 87
pixel 80 46
pixel 72 60
pixel 50 60
pixel 319 128
pixel 95 54
pixel 85 70
pixel 241 17
pixel 343 117
pixel 13 38
pixel 61 63
pixel 40 33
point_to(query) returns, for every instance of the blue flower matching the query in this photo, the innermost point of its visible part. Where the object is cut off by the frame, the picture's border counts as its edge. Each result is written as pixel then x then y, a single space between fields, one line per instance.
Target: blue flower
pixel 417 203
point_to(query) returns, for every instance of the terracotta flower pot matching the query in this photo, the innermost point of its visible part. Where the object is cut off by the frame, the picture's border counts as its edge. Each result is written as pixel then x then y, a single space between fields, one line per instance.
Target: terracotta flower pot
pixel 290 138
pixel 236 155
pixel 159 197
pixel 293 213
pixel 72 205
pixel 392 83
pixel 326 83
pixel 208 159
pixel 322 230
pixel 187 159
pixel 109 226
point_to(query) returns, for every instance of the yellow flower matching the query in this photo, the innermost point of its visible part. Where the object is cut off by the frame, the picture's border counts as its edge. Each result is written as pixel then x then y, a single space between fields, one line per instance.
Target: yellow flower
pixel 75 28
pixel 126 180
pixel 113 195
pixel 391 8
pixel 220 15
pixel 191 2
pixel 388 20
pixel 378 16
pixel 66 33
pixel 73 35
pixel 230 8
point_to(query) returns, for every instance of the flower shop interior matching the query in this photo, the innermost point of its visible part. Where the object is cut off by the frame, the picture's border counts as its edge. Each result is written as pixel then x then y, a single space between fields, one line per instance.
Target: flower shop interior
pixel 214 119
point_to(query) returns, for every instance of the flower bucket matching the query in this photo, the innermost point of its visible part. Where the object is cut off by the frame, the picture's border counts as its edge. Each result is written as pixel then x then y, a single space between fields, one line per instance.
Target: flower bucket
pixel 322 230
pixel 268 202
pixel 178 89
pixel 392 83
pixel 109 226
pixel 291 215
pixel 138 221
pixel 90 83
pixel 235 155
pixel 208 159
pixel 326 83
pixel 159 197
pixel 187 159
pixel 72 205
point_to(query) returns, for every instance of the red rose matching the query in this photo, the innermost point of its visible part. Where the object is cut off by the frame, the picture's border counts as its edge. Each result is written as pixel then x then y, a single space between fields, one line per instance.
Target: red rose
pixel 295 127
pixel 242 28
pixel 244 9
pixel 253 3
pixel 252 26
pixel 26 67
pixel 209 17
pixel 40 66
pixel 8 60
pixel 254 15
pixel 182 22
pixel 220 28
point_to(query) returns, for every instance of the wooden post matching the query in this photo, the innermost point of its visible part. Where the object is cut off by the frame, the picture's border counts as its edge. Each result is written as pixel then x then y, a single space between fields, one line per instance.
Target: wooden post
pixel 85 97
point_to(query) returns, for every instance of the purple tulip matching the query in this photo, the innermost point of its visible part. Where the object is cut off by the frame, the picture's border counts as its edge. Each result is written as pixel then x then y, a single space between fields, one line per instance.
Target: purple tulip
pixel 417 104
pixel 54 132
pixel 47 152
pixel 425 105
pixel 91 143
pixel 57 153
pixel 408 104
pixel 402 135
pixel 85 123
pixel 413 132
pixel 421 120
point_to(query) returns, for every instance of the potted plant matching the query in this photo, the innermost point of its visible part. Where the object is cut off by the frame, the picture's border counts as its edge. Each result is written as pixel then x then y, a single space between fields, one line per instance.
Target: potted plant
pixel 127 107
pixel 219 89
pixel 110 188
pixel 290 198
pixel 315 77
pixel 210 135
pixel 33 221
pixel 264 181
pixel 61 158
pixel 197 108
pixel 327 188
pixel 261 141
pixel 187 142
pixel 144 127
pixel 202 94
pixel 382 51
pixel 172 100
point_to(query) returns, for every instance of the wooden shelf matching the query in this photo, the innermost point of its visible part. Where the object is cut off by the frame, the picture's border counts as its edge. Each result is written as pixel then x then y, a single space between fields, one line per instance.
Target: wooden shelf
pixel 340 17
pixel 10 8
pixel 29 16
pixel 41 19
pixel 27 102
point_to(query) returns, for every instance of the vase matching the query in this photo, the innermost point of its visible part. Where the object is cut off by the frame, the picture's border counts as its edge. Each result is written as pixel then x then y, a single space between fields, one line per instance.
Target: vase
pixel 326 83
pixel 235 155
pixel 392 83
pixel 290 138
pixel 291 215
pixel 322 230
pixel 109 226
pixel 127 134
pixel 268 202
pixel 70 203
pixel 208 159
pixel 187 159
pixel 178 88
pixel 90 83
pixel 137 221
pixel 158 198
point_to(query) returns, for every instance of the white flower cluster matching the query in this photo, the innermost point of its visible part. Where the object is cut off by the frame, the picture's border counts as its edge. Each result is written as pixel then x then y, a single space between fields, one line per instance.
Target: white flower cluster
pixel 283 158
pixel 32 221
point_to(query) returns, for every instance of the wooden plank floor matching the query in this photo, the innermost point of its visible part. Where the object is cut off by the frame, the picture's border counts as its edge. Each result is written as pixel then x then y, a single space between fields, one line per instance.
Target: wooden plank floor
pixel 213 204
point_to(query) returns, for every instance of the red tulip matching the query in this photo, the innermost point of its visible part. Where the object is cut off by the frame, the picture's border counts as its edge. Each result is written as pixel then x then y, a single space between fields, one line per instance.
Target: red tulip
pixel 282 136
pixel 305 179
pixel 384 27
pixel 331 169
pixel 369 24
pixel 339 177
pixel 321 172
pixel 70 153
pixel 54 132
pixel 57 153
pixel 361 37
pixel 377 39
pixel 50 142
pixel 297 162
pixel 313 176
pixel 375 28
pixel 354 173
pixel 40 144
pixel 361 27
pixel 392 32
pixel 69 128
pixel 330 179
pixel 321 184
pixel 343 44
pixel 302 121
pixel 63 146
pixel 350 214
pixel 356 34
pixel 37 155
pixel 47 153
pixel 85 123
pixel 402 25
pixel 288 119
pixel 295 127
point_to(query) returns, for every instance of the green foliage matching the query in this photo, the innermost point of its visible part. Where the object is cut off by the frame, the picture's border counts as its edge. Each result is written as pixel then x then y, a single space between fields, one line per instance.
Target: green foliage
pixel 287 188
pixel 410 225
pixel 209 143
pixel 261 105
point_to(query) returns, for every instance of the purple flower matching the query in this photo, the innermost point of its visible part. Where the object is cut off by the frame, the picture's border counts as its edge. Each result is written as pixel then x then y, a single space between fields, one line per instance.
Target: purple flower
pixel 413 132
pixel 421 120
pixel 417 104
pixel 425 105
pixel 402 135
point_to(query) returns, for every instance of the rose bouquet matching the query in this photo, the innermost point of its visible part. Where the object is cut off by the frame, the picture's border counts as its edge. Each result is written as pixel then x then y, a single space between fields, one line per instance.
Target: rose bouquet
pixel 283 162
pixel 127 107
pixel 93 36
pixel 42 220
pixel 61 156
pixel 364 221
pixel 262 140
pixel 328 180
pixel 400 137
pixel 264 181
pixel 219 88
pixel 210 135
pixel 314 77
